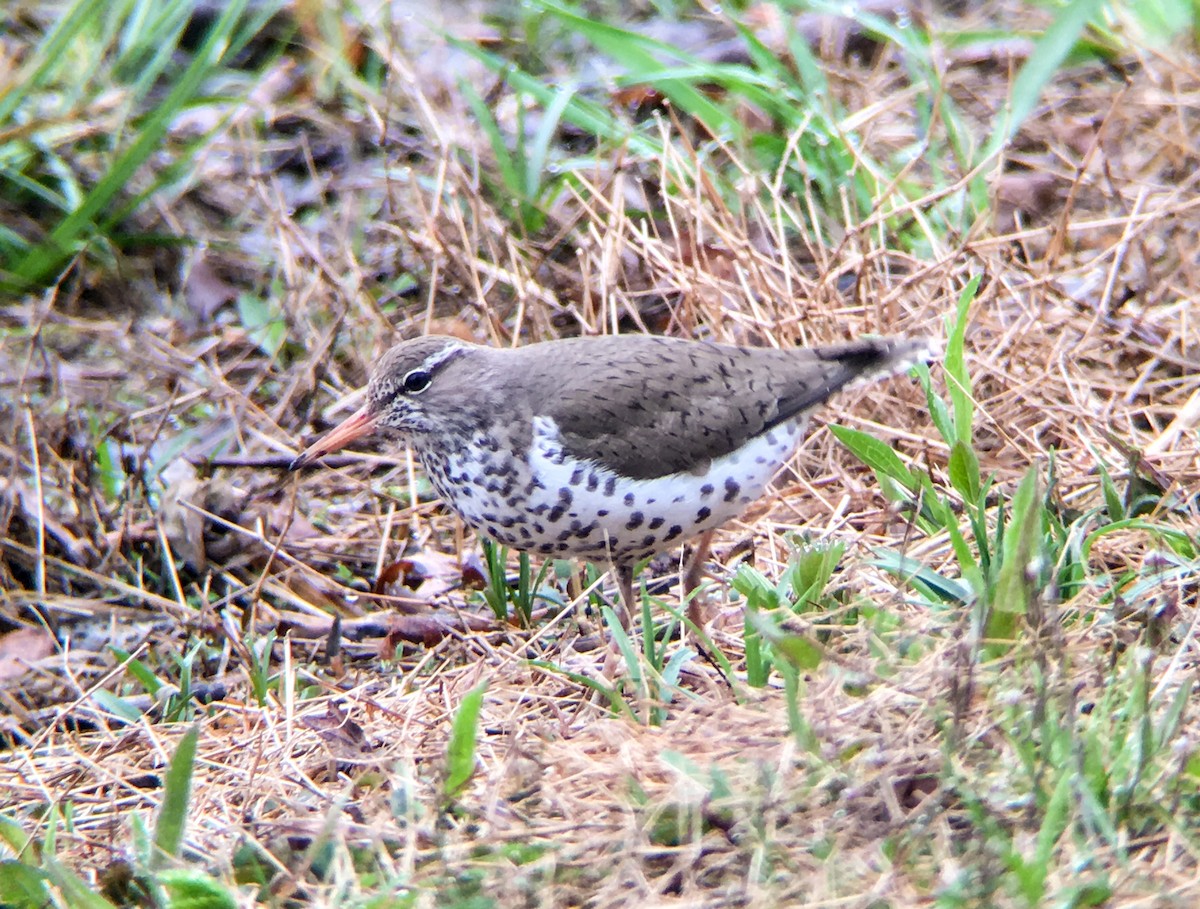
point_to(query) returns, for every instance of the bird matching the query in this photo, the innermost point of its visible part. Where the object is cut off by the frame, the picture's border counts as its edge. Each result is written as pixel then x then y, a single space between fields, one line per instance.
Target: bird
pixel 612 447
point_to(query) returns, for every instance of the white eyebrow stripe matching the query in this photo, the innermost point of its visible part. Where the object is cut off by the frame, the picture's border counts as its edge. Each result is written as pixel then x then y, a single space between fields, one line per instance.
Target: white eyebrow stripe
pixel 440 357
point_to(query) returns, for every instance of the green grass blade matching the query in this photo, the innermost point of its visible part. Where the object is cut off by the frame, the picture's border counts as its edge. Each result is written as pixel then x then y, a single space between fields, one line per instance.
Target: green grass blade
pixel 51 53
pixel 538 153
pixel 45 259
pixel 637 53
pixel 139 670
pixel 509 175
pixel 77 894
pixel 615 702
pixel 958 380
pixel 587 115
pixel 625 645
pixel 1040 67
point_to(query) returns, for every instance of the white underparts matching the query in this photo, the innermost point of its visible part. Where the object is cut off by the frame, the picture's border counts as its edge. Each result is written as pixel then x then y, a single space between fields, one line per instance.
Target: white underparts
pixel 563 505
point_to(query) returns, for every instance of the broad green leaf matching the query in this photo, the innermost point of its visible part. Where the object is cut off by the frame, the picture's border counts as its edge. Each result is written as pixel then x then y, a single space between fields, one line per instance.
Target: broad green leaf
pixel 460 753
pixel 191 889
pixel 263 322
pixel 907 569
pixel 177 792
pixel 117 706
pixel 1021 539
pixel 877 455
pixel 22 886
pixel 799 651
pixel 963 469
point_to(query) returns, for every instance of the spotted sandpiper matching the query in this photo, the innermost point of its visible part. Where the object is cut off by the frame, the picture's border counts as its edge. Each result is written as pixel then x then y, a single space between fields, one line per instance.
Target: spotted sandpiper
pixel 607 447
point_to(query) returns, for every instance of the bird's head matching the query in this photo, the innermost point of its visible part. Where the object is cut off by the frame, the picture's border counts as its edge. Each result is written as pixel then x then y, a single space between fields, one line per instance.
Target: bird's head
pixel 401 397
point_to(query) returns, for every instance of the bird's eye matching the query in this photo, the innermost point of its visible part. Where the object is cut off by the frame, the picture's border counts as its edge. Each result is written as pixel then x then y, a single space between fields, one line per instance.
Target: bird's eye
pixel 416 381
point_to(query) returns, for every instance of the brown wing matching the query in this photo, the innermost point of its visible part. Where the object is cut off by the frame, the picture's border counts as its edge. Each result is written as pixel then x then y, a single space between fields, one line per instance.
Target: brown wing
pixel 646 407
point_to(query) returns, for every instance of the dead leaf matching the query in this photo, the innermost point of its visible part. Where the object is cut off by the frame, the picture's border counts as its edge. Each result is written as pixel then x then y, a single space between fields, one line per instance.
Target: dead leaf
pixel 429 629
pixel 344 737
pixel 427 574
pixel 22 648
pixel 183 526
pixel 205 291
pixel 1024 196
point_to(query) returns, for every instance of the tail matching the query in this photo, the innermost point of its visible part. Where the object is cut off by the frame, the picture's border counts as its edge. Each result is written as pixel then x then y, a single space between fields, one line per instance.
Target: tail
pixel 872 359
pixel 851 365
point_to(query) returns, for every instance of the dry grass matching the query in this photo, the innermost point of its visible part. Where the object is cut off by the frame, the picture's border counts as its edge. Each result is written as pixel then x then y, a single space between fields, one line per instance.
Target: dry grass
pixel 1083 341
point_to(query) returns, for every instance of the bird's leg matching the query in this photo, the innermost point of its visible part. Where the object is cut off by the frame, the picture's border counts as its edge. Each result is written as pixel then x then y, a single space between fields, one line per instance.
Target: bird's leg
pixel 625 608
pixel 693 575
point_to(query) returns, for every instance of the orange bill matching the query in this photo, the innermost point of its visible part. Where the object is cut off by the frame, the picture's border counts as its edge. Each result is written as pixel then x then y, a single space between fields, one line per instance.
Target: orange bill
pixel 360 423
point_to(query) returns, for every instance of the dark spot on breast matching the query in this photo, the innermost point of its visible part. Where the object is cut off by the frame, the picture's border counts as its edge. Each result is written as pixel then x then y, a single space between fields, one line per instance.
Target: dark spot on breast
pixel 731 489
pixel 556 514
pixel 704 513
pixel 649 541
pixel 655 524
pixel 602 513
pixel 592 481
pixel 577 475
pixel 610 486
pixel 629 499
pixel 635 521
pixel 565 498
pixel 675 531
pixel 706 489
